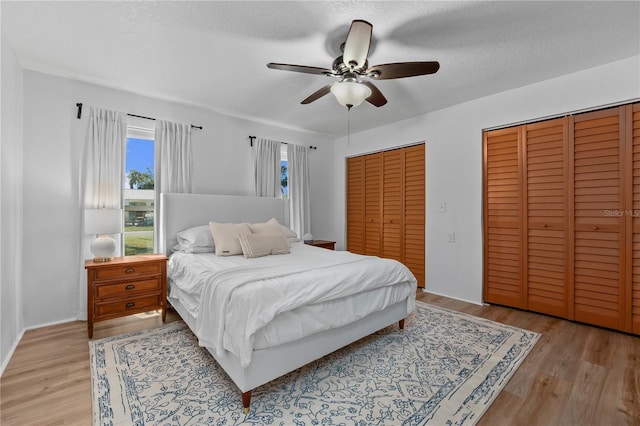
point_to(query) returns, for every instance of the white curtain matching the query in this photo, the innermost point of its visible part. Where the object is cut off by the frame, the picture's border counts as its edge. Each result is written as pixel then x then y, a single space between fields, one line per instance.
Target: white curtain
pixel 298 184
pixel 266 168
pixel 102 178
pixel 173 166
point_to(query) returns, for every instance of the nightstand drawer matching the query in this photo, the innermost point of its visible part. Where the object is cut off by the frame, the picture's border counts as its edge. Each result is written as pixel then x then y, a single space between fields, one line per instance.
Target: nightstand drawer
pixel 128 271
pixel 127 288
pixel 132 304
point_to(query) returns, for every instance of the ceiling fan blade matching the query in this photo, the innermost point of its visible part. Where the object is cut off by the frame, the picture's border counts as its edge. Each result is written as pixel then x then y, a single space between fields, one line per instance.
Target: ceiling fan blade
pixel 356 47
pixel 376 98
pixel 402 69
pixel 317 94
pixel 301 68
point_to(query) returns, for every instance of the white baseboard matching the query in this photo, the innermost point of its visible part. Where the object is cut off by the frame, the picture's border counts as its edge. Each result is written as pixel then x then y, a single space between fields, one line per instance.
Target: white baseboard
pixel 11 351
pixel 34 327
pixel 454 298
pixel 21 335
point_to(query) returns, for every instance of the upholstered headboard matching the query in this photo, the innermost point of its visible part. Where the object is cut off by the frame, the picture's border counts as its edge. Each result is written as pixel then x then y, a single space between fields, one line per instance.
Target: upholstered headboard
pixel 182 211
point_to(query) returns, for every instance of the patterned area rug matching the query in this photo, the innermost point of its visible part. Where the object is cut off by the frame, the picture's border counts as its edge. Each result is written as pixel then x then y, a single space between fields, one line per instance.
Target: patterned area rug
pixel 446 368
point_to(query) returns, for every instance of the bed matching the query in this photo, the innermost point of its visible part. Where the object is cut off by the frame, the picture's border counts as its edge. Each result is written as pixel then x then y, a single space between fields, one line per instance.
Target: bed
pixel 286 332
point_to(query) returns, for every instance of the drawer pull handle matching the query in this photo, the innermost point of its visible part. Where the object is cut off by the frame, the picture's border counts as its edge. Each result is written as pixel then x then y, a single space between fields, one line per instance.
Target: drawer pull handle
pixel 130 287
pixel 129 270
pixel 595 228
pixel 130 305
pixel 544 226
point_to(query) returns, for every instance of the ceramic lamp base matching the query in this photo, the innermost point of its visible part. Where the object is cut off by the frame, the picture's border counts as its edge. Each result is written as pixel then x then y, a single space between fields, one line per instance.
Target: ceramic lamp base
pixel 103 248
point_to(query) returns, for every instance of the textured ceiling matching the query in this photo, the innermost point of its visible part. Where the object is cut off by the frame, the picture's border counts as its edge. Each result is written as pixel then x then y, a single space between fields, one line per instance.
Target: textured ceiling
pixel 214 54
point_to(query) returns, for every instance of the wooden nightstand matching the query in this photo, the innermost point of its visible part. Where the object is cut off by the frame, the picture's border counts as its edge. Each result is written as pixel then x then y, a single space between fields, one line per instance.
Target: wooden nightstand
pixel 322 243
pixel 124 286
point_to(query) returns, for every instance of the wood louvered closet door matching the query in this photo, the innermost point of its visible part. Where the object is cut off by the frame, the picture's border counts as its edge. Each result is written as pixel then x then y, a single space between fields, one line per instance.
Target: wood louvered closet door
pixel 547 222
pixel 632 118
pixel 414 211
pixel 386 206
pixel 568 243
pixel 393 204
pixel 598 218
pixel 373 204
pixel 503 270
pixel 355 204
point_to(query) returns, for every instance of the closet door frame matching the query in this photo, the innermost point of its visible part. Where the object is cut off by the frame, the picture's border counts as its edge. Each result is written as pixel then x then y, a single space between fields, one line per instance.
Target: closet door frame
pixel 594 211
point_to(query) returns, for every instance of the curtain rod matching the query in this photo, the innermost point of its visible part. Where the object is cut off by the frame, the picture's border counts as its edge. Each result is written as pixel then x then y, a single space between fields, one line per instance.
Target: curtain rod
pixel 251 138
pixel 79 105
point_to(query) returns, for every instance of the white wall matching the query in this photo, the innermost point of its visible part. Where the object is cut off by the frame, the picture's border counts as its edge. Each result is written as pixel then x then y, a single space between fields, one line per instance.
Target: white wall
pixel 53 140
pixel 10 204
pixel 454 162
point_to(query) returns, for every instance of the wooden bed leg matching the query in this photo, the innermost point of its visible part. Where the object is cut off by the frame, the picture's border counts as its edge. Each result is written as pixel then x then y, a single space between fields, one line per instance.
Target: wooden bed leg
pixel 401 325
pixel 246 401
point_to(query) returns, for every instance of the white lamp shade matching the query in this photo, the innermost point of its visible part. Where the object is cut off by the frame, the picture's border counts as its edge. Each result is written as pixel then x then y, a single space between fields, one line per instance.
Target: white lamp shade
pixel 350 93
pixel 102 221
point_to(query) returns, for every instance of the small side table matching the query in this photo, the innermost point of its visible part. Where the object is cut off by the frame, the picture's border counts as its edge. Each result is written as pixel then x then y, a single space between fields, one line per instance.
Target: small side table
pixel 330 245
pixel 124 286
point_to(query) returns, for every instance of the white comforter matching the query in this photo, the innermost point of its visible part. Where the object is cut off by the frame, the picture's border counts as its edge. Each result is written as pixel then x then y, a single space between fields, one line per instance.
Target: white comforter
pixel 233 298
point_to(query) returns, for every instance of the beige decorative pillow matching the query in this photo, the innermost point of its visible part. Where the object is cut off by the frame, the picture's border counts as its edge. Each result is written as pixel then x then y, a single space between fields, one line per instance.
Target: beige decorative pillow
pixel 258 245
pixel 270 227
pixel 225 237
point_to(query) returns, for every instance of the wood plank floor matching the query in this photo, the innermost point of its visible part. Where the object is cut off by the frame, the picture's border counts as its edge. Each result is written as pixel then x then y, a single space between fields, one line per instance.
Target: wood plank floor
pixel 576 374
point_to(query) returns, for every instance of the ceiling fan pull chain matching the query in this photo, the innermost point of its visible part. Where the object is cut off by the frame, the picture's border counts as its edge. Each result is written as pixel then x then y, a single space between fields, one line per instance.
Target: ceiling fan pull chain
pixel 348 126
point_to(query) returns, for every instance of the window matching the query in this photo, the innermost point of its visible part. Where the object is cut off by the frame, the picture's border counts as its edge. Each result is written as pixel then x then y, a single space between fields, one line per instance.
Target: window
pixel 284 171
pixel 139 193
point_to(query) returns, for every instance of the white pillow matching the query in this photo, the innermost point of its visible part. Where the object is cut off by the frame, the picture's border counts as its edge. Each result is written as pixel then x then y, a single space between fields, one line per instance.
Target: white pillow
pixel 258 245
pixel 225 237
pixel 195 240
pixel 289 232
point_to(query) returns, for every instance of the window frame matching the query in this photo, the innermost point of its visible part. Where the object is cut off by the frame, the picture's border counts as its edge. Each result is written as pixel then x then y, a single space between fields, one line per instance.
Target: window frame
pixel 139 130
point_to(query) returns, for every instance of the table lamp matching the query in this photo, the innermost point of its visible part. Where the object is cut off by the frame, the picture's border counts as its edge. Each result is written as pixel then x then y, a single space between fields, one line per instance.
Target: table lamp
pixel 102 222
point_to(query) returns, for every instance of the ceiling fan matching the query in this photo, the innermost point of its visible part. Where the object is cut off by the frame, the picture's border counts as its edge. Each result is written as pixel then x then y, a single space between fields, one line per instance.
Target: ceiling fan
pixel 354 72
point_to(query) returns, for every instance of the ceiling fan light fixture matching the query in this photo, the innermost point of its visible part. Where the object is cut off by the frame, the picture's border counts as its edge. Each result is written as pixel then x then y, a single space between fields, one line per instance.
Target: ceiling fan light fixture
pixel 350 93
